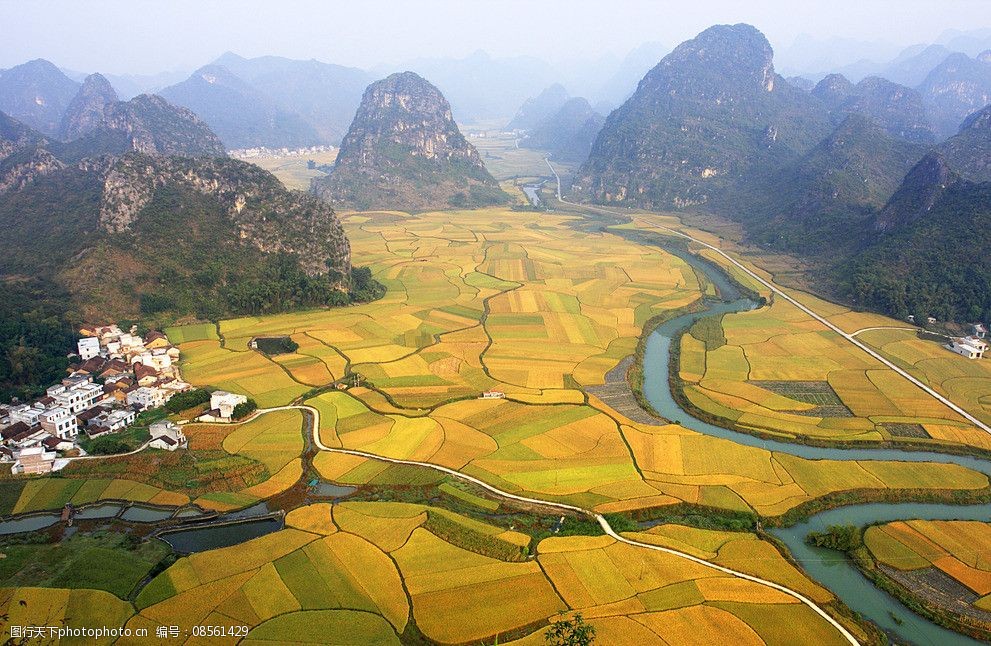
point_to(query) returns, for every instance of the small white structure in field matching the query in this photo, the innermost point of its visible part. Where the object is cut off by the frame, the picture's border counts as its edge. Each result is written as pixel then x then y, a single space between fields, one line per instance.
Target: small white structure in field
pixel 970 347
pixel 493 394
pixel 223 403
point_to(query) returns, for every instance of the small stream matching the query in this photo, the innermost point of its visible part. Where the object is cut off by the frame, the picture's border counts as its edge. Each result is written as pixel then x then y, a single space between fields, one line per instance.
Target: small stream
pixel 828 567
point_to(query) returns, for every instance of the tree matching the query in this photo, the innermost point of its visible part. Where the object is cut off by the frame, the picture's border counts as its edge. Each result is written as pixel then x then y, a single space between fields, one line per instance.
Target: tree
pixel 843 538
pixel 570 632
pixel 243 410
pixel 187 400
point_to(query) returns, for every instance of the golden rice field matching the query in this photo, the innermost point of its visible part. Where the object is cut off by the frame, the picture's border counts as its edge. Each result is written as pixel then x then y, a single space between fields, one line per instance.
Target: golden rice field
pixel 54 493
pixel 363 572
pixel 522 303
pixel 781 344
pixel 911 552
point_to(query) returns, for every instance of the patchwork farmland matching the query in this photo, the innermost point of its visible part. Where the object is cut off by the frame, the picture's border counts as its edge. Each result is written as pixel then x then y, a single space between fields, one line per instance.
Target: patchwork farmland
pixel 524 307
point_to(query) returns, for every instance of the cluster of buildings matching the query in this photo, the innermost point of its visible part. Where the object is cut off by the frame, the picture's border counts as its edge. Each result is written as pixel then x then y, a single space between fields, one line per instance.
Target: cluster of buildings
pixel 119 374
pixel 973 346
pixel 262 151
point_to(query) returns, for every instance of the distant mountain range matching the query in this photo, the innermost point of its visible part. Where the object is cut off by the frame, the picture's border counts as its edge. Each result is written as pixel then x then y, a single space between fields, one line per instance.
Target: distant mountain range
pixel 241 115
pixel 956 88
pixel 278 101
pixel 567 134
pixel 143 215
pixel 850 176
pixel 324 95
pixel 404 151
pixel 896 108
pixel 538 108
pixel 951 83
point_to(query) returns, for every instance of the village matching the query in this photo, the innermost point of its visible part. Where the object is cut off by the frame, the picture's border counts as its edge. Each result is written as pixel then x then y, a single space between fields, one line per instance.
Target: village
pixel 117 376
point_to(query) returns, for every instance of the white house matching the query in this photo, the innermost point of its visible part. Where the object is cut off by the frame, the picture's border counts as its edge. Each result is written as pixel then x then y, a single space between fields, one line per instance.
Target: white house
pixel 30 415
pixel 167 436
pixel 88 347
pixel 78 397
pixel 224 402
pixel 970 347
pixel 146 397
pixel 59 422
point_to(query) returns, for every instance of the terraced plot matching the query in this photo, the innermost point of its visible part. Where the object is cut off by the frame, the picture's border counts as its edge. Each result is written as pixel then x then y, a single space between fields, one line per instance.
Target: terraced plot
pixel 944 565
pixel 761 380
pixel 780 343
pixel 368 569
pixel 227 466
pixel 477 300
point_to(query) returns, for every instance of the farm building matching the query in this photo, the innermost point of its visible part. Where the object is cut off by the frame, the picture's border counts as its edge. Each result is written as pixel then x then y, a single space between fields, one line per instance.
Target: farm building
pixel 970 347
pixel 222 406
pixel 167 436
pixel 34 459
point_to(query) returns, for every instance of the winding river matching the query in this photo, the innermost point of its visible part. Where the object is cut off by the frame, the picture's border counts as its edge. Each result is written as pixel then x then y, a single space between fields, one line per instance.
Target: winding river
pixel 828 567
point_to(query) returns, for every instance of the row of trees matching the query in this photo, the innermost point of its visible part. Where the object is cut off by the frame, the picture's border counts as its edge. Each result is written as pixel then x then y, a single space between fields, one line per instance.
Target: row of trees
pixel 290 288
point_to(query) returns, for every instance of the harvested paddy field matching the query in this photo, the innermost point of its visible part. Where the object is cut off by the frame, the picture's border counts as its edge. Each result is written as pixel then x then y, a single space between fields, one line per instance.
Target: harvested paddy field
pixel 779 372
pixel 942 566
pixel 525 305
pixel 385 572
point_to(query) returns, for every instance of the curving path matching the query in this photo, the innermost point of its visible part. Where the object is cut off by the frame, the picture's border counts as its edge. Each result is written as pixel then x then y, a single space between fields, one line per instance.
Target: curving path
pixel 76 458
pixel 893 327
pixel 852 338
pixel 566 507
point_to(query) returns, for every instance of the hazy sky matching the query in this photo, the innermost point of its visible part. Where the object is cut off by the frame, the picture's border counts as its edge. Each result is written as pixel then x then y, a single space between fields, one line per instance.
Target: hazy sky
pixel 136 36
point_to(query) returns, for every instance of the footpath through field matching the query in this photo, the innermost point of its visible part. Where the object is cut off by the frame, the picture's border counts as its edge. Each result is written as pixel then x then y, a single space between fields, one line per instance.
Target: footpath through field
pixel 606 527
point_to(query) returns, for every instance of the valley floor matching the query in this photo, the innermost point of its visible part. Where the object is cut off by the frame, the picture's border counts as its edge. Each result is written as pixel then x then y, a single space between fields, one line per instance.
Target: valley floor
pixel 536 312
